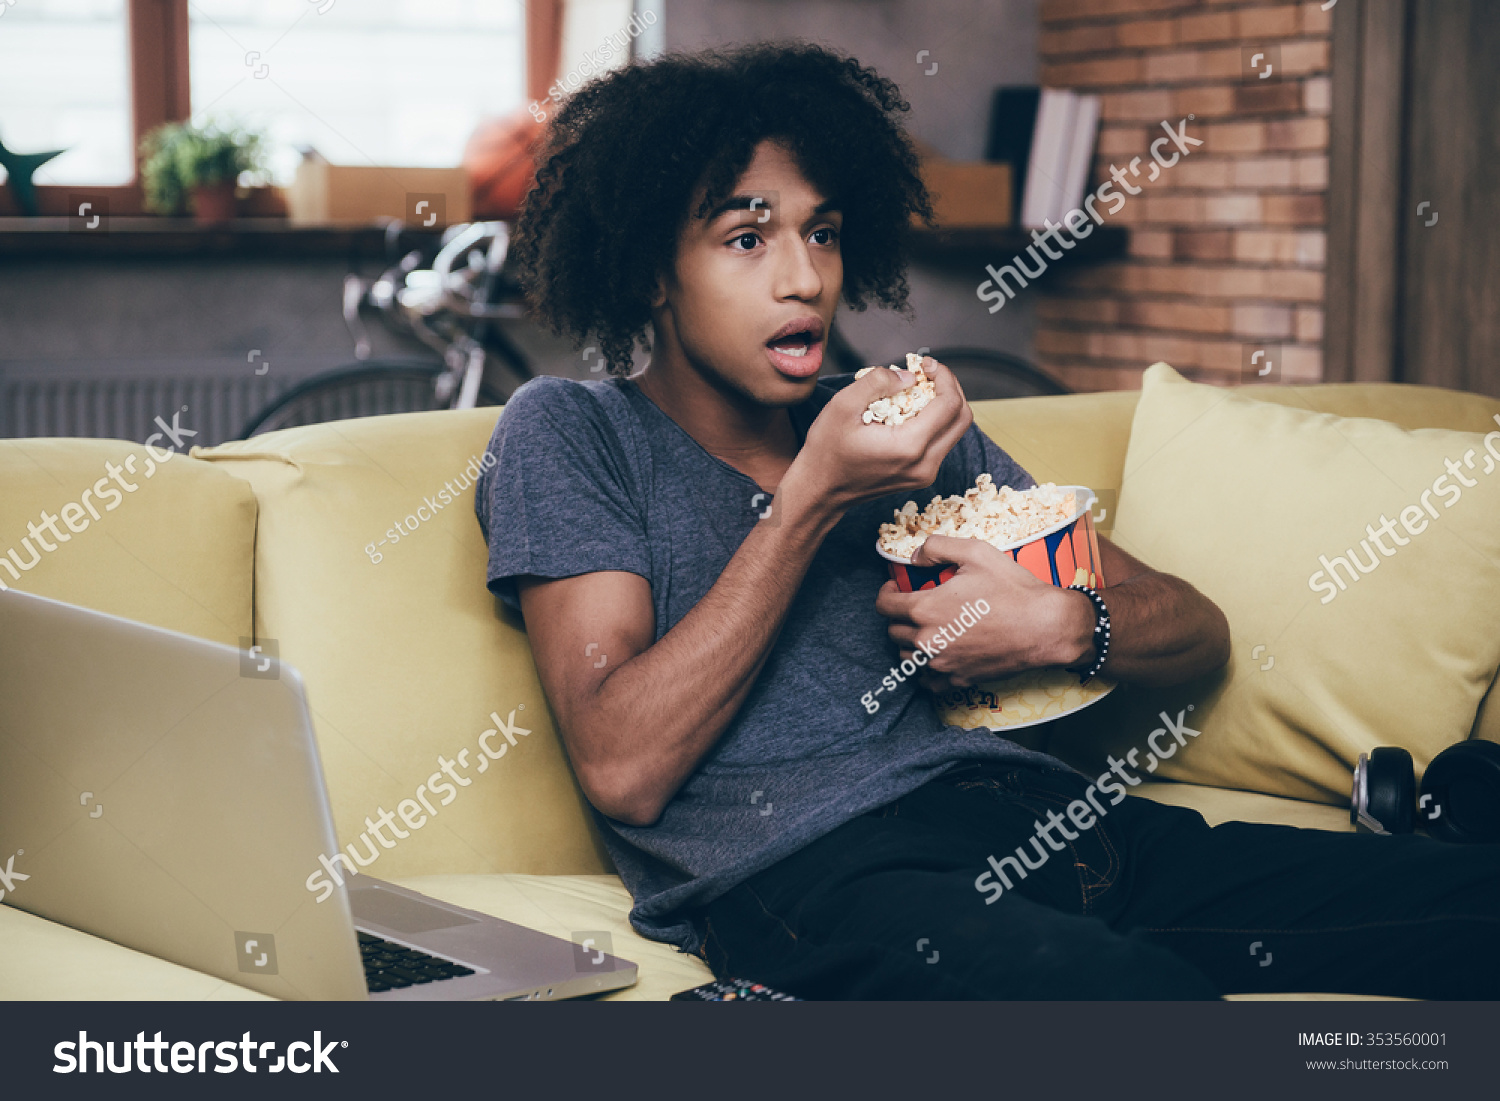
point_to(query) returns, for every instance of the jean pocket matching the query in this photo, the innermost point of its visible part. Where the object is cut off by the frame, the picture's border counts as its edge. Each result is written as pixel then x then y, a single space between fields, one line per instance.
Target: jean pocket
pixel 1079 822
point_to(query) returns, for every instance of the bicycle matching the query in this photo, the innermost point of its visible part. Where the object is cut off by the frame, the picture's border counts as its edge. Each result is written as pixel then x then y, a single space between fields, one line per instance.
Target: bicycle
pixel 453 308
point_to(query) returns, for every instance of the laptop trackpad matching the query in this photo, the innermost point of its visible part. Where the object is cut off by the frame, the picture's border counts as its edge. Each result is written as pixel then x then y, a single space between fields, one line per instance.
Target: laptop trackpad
pixel 404 915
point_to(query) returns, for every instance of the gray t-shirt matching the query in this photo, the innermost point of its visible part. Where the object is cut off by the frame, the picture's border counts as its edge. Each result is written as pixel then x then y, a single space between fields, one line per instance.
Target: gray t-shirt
pixel 594 476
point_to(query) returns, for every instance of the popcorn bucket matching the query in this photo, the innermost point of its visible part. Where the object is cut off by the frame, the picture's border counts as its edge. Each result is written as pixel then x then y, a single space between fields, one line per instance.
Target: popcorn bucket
pixel 1067 553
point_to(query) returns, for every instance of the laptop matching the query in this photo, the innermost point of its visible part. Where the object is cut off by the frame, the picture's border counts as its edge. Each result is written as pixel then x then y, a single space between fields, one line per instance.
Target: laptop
pixel 165 792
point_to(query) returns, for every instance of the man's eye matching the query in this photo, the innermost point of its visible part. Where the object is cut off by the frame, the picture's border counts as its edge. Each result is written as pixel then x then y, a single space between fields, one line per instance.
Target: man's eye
pixel 829 235
pixel 744 237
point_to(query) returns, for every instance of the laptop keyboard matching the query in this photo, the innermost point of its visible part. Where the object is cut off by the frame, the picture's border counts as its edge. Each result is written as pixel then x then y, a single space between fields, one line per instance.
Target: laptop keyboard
pixel 391 966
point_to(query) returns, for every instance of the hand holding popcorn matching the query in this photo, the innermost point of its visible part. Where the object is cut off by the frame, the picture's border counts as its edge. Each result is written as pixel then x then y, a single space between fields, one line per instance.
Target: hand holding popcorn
pixel 905 404
pixel 842 461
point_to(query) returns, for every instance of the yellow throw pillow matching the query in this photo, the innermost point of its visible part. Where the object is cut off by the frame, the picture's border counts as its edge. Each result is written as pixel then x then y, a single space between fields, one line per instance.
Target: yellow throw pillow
pixel 146 533
pixel 1358 564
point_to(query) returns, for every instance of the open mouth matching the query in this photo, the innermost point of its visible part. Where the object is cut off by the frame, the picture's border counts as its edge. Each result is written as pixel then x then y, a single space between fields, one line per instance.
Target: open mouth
pixel 795 345
pixel 797 349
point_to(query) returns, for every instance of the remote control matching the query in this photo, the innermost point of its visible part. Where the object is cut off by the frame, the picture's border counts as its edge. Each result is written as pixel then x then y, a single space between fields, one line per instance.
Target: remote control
pixel 733 990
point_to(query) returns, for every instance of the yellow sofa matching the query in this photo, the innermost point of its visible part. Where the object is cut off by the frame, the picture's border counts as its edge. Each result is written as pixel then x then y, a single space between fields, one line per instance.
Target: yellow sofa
pixel 334 540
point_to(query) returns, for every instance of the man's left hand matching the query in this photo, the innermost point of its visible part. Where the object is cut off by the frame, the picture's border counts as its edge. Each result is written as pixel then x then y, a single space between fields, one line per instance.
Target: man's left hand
pixel 1030 624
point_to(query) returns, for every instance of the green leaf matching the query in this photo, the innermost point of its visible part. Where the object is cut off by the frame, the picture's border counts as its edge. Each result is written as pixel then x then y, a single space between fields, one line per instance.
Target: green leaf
pixel 179 157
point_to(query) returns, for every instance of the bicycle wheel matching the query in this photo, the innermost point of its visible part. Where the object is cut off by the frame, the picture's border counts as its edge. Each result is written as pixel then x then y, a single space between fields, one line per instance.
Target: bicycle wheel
pixel 985 374
pixel 369 389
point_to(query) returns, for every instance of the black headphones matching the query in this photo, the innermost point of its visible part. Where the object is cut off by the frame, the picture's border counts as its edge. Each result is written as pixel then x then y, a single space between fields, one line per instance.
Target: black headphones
pixel 1459 800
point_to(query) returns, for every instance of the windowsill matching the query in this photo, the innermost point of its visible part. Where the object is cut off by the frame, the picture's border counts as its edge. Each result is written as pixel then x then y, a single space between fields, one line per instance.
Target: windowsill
pixel 134 237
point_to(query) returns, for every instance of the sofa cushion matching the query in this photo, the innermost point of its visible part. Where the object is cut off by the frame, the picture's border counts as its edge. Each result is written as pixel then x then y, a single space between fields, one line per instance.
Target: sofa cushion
pixel 1229 805
pixel 1080 439
pixel 1251 501
pixel 40 959
pixel 409 661
pixel 169 542
pixel 1487 722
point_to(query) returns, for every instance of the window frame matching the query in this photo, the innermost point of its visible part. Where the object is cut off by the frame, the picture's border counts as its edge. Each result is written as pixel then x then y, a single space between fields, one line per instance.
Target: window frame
pixel 160 91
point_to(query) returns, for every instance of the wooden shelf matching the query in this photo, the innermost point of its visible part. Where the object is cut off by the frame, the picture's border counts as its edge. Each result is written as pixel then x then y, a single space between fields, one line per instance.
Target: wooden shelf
pixel 996 245
pixel 121 237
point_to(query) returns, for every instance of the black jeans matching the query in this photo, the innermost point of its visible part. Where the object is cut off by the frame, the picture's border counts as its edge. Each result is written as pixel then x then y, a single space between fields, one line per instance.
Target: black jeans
pixel 1151 902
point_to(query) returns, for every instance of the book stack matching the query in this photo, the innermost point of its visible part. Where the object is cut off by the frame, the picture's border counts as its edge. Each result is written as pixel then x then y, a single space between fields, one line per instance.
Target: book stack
pixel 1048 135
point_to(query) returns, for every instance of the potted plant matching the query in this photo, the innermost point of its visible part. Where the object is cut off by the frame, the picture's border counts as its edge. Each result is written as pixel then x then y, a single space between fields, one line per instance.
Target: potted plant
pixel 182 161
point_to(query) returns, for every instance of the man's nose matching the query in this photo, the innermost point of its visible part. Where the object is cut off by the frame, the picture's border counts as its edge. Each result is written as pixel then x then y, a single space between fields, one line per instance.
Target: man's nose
pixel 797 276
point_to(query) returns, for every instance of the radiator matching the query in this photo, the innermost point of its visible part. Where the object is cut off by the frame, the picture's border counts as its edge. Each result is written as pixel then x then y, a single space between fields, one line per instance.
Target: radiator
pixel 124 401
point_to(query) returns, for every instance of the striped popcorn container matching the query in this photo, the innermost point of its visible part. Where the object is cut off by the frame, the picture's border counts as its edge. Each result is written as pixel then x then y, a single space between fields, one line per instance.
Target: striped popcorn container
pixel 1065 554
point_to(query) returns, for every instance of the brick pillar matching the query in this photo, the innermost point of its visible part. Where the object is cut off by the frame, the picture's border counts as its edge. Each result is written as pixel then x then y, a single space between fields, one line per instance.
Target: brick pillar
pixel 1227 246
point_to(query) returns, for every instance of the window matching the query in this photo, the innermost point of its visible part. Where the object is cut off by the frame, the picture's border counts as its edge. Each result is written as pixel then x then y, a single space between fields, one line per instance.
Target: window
pixel 362 81
pixel 65 84
pixel 399 82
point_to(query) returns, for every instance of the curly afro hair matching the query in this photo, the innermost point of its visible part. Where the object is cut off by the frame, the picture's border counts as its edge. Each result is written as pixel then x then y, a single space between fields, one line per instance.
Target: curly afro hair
pixel 622 160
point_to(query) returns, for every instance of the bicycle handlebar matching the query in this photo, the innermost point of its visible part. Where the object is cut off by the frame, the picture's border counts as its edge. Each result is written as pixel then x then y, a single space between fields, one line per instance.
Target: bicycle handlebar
pixel 456 290
pixel 435 304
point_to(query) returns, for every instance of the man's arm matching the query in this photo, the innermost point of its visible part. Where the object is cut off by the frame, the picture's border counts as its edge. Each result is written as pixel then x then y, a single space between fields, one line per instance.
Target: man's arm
pixel 1162 630
pixel 636 726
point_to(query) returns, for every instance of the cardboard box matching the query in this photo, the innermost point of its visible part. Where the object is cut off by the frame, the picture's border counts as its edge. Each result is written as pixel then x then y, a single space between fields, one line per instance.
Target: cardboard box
pixel 338 194
pixel 969 195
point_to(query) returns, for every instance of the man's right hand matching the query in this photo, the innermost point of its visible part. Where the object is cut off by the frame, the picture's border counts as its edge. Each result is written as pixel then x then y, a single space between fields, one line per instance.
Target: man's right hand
pixel 638 719
pixel 845 461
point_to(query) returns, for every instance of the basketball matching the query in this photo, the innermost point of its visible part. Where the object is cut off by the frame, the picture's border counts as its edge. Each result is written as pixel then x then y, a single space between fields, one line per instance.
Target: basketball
pixel 499 163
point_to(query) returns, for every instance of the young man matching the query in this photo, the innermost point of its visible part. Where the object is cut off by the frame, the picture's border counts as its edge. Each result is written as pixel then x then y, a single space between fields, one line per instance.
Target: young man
pixel 706 655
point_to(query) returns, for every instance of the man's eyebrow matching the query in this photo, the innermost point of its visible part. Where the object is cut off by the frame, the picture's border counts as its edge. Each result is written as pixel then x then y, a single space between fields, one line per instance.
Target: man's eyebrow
pixel 742 202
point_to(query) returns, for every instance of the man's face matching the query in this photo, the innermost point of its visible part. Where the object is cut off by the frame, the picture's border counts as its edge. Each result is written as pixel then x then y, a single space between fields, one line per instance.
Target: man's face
pixel 752 296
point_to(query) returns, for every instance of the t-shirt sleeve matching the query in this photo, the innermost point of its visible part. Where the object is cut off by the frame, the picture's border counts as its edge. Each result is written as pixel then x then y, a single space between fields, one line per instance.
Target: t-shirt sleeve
pixel 558 499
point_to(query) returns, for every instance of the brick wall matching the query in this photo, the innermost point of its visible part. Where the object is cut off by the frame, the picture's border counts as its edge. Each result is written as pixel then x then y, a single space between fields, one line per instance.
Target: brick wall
pixel 1227 246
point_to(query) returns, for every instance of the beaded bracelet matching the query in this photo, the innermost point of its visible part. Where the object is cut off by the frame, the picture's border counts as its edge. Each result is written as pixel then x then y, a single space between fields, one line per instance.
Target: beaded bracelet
pixel 1101 633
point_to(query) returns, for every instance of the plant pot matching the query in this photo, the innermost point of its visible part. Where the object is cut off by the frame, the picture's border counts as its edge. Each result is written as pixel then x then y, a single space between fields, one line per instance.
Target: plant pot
pixel 214 202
